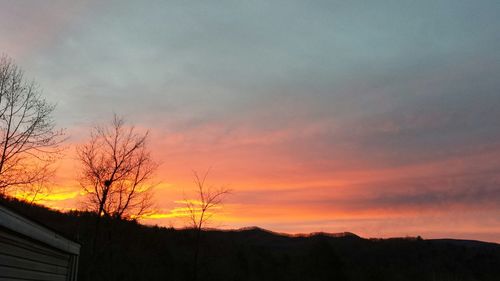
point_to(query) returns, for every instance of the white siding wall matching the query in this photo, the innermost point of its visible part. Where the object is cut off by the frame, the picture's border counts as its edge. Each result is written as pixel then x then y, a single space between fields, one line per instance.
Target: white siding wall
pixel 29 251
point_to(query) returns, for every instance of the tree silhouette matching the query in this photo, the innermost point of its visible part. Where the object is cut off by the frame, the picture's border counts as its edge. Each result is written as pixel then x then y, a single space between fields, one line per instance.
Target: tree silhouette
pixel 29 140
pixel 116 170
pixel 201 210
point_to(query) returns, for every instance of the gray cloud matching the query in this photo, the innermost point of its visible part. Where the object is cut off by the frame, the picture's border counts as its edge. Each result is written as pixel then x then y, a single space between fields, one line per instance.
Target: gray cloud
pixel 232 57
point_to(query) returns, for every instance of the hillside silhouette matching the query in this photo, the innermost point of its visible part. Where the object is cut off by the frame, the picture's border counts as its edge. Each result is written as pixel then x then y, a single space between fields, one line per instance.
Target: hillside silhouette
pixel 127 250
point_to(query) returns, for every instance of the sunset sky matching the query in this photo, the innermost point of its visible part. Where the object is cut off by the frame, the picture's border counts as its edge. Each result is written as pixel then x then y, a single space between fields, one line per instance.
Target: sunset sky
pixel 380 118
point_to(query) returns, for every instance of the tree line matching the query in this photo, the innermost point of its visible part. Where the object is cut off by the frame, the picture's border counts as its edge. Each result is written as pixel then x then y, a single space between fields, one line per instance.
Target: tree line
pixel 116 165
pixel 117 168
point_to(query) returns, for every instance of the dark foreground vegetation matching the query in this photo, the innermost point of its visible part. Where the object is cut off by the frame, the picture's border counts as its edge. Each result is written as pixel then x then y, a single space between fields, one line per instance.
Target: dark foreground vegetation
pixel 126 250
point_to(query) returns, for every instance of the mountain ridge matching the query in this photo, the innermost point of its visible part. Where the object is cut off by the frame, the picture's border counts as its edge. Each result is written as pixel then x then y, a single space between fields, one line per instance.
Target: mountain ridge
pixel 128 250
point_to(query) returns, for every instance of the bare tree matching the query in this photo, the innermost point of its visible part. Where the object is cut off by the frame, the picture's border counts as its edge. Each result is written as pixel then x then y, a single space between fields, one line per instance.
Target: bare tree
pixel 29 140
pixel 116 170
pixel 201 209
pixel 208 200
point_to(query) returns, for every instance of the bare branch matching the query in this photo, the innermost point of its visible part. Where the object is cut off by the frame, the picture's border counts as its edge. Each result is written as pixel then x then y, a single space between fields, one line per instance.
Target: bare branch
pixel 201 210
pixel 29 140
pixel 116 170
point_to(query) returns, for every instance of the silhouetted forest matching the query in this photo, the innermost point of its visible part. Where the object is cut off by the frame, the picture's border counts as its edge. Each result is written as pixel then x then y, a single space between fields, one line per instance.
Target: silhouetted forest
pixel 127 250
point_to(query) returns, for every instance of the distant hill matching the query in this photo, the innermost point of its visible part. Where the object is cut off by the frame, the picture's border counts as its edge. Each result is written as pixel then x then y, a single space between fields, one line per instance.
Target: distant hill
pixel 126 250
